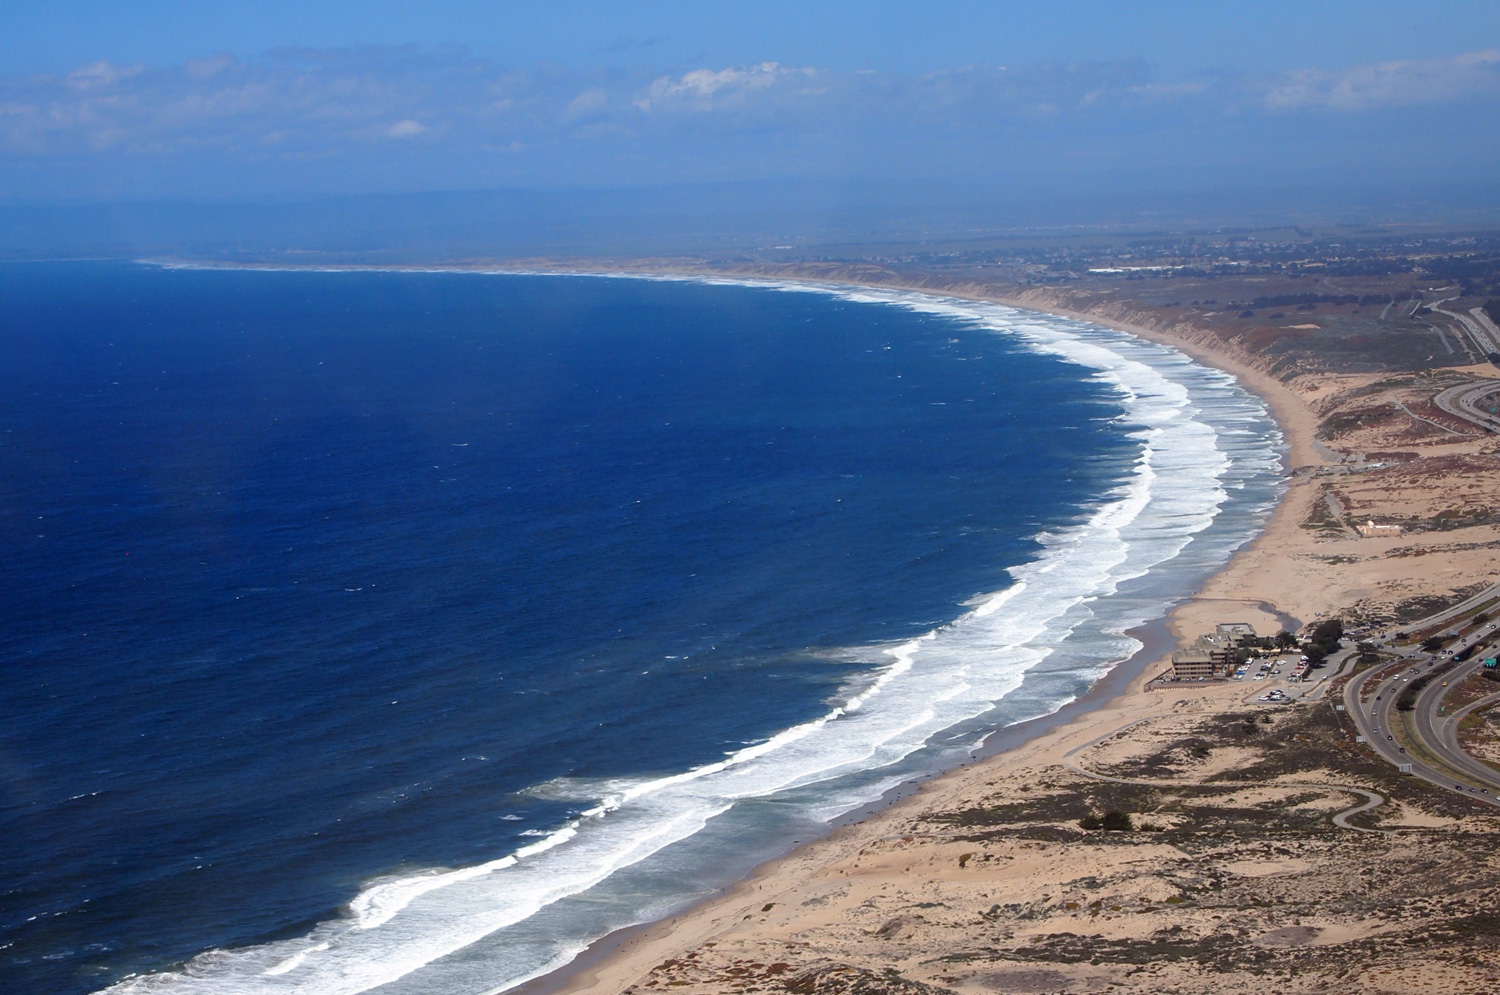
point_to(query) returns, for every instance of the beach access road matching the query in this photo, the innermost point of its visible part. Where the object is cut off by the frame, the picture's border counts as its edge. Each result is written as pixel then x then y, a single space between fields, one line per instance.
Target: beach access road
pixel 1367 799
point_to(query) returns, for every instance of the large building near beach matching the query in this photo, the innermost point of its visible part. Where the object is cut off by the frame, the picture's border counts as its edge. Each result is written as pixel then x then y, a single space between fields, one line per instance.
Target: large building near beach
pixel 1213 655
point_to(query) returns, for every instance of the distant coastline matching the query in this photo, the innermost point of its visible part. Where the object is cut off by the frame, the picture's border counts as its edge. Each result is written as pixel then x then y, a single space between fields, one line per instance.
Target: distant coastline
pixel 1287 408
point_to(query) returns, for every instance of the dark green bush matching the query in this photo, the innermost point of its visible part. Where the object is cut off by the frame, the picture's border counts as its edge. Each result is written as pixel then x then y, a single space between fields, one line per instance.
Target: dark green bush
pixel 1116 821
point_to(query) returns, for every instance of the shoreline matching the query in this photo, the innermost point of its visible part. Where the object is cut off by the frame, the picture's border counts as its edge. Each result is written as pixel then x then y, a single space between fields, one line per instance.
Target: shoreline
pixel 1249 814
pixel 618 958
pixel 616 962
pixel 1128 677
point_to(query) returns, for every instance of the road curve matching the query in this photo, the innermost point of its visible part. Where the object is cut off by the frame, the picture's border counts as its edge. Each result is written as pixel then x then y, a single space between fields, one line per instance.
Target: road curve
pixel 1463 400
pixel 1372 799
pixel 1377 718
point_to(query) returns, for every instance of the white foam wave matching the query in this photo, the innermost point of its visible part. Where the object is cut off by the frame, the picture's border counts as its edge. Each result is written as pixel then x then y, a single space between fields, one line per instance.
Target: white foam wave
pixel 939 681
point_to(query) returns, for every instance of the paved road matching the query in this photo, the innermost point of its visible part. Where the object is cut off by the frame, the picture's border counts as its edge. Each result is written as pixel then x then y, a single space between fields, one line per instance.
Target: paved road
pixel 1447 615
pixel 1336 665
pixel 1480 335
pixel 1377 719
pixel 1485 322
pixel 1428 718
pixel 1371 799
pixel 1447 731
pixel 1464 401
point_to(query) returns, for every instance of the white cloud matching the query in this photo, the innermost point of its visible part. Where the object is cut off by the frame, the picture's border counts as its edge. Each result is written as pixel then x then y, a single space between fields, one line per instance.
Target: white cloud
pixel 589 103
pixel 297 106
pixel 702 89
pixel 209 67
pixel 1389 84
pixel 405 129
pixel 101 73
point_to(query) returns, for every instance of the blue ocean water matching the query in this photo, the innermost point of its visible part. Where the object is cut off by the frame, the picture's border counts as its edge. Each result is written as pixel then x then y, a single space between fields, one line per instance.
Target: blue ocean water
pixel 410 630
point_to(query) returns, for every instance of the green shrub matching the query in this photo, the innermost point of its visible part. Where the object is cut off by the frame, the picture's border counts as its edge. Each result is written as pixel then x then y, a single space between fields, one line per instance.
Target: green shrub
pixel 1115 821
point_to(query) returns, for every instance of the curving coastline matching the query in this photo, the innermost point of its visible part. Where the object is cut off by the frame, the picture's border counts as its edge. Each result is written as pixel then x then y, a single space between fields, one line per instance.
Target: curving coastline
pixel 910 901
pixel 1092 599
pixel 1116 700
pixel 610 962
pixel 803 922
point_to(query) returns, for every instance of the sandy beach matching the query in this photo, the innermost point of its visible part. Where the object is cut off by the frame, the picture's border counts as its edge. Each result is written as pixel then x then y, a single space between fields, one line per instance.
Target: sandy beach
pixel 981 880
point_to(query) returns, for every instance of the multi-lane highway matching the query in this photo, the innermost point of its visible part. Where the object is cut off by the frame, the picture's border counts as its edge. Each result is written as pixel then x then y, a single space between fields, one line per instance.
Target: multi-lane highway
pixel 1466 401
pixel 1478 333
pixel 1426 737
pixel 1447 730
pixel 1452 613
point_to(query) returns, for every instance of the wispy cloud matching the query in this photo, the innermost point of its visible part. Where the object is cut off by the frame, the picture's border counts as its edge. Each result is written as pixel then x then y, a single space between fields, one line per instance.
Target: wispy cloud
pixel 101 74
pixel 405 129
pixel 331 99
pixel 357 105
pixel 1389 84
pixel 705 89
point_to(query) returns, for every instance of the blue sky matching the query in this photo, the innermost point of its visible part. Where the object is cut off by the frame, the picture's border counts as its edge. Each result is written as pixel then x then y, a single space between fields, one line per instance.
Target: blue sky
pixel 232 99
pixel 1176 37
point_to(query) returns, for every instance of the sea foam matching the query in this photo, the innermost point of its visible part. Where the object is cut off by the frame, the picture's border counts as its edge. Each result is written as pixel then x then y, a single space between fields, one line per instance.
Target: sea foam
pixel 1059 625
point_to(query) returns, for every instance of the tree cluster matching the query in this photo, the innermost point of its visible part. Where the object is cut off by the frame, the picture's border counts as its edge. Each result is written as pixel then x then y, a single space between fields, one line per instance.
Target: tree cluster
pixel 1407 700
pixel 1323 640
